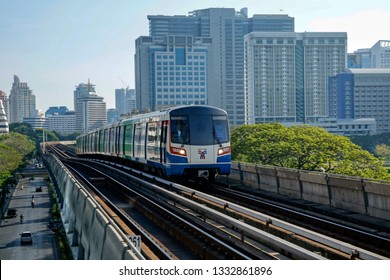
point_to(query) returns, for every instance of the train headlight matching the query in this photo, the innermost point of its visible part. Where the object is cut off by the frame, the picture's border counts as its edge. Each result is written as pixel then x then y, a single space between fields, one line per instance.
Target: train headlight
pixel 178 151
pixel 224 151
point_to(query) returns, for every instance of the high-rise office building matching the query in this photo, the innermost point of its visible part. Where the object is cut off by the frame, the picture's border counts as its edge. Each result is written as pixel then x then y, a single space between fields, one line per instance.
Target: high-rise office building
pixel 89 108
pixel 286 74
pixel 83 90
pixel 131 104
pixel 172 71
pixel 120 100
pixel 380 54
pixel 224 30
pixel 3 120
pixel 21 102
pixel 361 93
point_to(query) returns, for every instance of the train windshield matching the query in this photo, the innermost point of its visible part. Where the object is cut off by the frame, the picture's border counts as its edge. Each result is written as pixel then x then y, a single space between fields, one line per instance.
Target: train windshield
pixel 199 129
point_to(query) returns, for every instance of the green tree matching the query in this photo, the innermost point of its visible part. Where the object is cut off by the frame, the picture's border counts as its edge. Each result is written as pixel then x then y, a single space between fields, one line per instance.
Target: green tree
pixel 14 149
pixel 18 142
pixel 303 147
pixel 369 142
pixel 23 128
pixel 9 158
pixel 383 152
pixel 259 143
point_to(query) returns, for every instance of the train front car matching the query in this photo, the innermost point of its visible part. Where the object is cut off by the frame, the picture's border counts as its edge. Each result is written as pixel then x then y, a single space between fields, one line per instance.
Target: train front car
pixel 198 143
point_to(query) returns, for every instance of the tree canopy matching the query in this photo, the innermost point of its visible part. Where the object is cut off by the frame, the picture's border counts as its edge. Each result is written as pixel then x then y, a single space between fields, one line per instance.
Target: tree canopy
pixel 304 147
pixel 14 148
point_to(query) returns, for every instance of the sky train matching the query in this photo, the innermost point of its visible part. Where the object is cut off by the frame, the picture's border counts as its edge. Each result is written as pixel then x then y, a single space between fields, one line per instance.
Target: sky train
pixel 187 141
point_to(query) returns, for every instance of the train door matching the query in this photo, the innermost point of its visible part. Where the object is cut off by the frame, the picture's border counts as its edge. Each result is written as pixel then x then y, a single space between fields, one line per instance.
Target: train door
pixel 163 142
pixel 106 143
pixel 101 141
pixel 94 143
pixel 128 141
pixel 153 141
pixel 139 141
pixel 120 140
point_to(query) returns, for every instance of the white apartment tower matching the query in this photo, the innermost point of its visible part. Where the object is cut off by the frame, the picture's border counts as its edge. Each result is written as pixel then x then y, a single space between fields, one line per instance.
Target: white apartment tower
pixel 286 74
pixel 89 108
pixel 21 102
pixel 3 120
pixel 3 97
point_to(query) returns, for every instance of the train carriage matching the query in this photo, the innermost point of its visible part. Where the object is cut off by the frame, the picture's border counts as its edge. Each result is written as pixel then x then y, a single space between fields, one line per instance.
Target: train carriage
pixel 190 141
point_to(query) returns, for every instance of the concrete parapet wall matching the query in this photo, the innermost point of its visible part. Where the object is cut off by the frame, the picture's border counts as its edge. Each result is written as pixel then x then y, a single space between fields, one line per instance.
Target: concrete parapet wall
pixel 88 226
pixel 358 195
pixel 347 193
pixel 114 245
pixel 289 184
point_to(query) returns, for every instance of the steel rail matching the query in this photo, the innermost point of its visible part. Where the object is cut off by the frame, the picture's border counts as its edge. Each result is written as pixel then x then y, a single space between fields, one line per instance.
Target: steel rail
pixel 183 221
pixel 245 229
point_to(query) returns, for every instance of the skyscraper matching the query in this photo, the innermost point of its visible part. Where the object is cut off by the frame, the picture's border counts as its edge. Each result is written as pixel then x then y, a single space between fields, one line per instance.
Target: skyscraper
pixel 89 108
pixel 3 97
pixel 120 101
pixel 131 104
pixel 21 101
pixel 3 120
pixel 172 71
pixel 286 74
pixel 224 30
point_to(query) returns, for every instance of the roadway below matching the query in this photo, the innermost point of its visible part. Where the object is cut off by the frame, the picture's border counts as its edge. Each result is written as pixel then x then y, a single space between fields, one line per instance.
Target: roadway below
pixel 36 220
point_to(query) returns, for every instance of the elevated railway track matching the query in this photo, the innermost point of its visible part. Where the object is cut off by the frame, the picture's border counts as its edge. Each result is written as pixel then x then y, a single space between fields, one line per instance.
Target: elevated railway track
pixel 223 224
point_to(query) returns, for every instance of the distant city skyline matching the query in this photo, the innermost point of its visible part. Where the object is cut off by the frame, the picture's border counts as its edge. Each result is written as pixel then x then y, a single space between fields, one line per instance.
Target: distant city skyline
pixel 96 39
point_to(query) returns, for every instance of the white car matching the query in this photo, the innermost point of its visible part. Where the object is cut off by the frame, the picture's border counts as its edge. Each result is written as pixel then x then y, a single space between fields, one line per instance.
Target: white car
pixel 26 237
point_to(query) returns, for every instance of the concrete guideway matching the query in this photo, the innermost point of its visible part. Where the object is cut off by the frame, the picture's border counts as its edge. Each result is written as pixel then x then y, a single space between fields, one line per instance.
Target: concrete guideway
pixel 36 220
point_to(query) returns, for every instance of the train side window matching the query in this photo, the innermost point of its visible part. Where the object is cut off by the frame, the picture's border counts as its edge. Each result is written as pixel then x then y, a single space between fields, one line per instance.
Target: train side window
pixel 139 140
pixel 180 130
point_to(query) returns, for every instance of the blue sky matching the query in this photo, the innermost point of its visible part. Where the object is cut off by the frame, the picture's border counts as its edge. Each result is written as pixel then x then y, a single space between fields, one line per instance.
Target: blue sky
pixel 54 45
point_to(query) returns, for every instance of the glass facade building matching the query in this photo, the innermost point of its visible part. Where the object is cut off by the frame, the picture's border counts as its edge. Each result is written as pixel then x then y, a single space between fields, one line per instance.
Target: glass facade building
pixel 224 30
pixel 176 73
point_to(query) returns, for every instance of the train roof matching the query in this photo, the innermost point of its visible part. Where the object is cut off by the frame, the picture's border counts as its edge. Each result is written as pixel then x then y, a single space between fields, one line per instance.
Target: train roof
pixel 189 109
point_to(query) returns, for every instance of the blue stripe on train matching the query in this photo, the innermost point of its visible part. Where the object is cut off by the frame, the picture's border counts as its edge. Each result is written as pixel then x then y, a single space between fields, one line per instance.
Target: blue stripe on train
pixel 177 169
